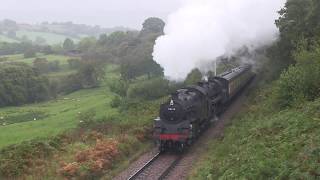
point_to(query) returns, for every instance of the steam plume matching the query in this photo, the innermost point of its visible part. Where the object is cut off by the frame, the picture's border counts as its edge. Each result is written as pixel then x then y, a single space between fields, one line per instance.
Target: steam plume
pixel 202 30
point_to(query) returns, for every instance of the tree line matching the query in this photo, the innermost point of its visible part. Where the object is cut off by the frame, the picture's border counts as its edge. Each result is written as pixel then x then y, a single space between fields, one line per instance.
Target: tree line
pixel 298 50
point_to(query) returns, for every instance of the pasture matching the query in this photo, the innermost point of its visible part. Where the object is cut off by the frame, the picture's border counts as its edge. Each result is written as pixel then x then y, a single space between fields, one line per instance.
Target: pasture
pixel 51 38
pixel 4 38
pixel 56 116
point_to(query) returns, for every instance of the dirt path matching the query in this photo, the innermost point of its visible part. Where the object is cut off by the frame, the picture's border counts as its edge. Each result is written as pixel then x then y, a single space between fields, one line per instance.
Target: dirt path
pixel 184 167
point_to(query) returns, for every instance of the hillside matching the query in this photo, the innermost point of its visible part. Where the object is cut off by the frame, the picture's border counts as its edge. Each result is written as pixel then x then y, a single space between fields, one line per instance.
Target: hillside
pixel 264 142
pixel 276 136
pixel 80 117
pixel 49 33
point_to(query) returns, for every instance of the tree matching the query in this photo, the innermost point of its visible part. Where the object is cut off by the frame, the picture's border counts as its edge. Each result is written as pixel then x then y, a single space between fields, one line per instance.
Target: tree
pixel 87 43
pixel 136 59
pixel 68 44
pixel 54 66
pixel 74 63
pixel 47 50
pixel 12 34
pixel 90 74
pixel 29 53
pixel 103 38
pixel 25 39
pixel 149 90
pixel 40 40
pixel 294 25
pixel 153 25
pixel 193 77
pixel 41 65
pixel 20 84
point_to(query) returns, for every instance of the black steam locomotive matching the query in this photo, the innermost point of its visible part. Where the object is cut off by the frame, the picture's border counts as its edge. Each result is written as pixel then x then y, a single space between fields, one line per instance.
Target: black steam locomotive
pixel 190 110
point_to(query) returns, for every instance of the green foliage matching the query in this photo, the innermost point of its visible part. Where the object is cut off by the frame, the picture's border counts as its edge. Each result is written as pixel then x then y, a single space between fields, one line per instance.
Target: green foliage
pixel 89 75
pixel 30 53
pixel 135 69
pixel 47 50
pixel 46 154
pixel 298 20
pixel 153 25
pixel 116 102
pixel 193 77
pixel 40 40
pixel 87 44
pixel 74 63
pixel 42 65
pixel 15 160
pixel 20 84
pixel 148 90
pixel 25 116
pixel 68 44
pixel 119 87
pixel 266 144
pixel 301 81
pixel 87 118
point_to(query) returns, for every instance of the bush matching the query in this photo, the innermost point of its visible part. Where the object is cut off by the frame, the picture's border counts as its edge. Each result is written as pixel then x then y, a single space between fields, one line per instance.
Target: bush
pixel 193 77
pixel 149 90
pixel 116 102
pixel 30 53
pixel 74 63
pixel 301 81
pixel 87 119
pixel 16 160
pixel 119 87
pixel 20 84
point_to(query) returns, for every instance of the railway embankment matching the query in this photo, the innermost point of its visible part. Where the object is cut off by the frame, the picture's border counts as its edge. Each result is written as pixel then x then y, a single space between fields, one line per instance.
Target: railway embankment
pixel 266 141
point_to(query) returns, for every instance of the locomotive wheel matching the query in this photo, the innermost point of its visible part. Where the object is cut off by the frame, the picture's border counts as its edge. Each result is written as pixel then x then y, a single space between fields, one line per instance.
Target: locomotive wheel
pixel 162 147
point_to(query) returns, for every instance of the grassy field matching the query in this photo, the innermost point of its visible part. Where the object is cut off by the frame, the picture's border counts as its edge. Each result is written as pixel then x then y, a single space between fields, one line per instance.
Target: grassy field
pixel 53 117
pixel 19 58
pixel 50 38
pixel 6 39
pixel 49 138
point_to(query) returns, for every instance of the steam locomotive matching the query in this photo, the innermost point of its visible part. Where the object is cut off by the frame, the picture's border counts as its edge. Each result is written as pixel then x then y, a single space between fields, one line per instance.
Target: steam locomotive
pixel 191 109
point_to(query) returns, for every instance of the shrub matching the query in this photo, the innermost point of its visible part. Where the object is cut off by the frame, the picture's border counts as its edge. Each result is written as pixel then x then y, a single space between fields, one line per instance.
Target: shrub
pixel 301 81
pixel 20 84
pixel 193 77
pixel 149 90
pixel 74 63
pixel 116 102
pixel 87 118
pixel 119 87
pixel 30 53
pixel 15 160
pixel 94 159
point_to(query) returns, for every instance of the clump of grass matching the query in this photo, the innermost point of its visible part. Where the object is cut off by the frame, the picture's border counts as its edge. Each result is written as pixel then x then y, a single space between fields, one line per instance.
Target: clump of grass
pixel 17 160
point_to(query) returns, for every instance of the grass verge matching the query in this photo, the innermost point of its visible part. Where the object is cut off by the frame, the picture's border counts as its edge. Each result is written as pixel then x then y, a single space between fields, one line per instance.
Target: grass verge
pixel 266 143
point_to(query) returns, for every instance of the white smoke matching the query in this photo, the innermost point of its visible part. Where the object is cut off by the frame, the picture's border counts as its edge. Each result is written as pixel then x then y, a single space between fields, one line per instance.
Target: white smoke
pixel 202 30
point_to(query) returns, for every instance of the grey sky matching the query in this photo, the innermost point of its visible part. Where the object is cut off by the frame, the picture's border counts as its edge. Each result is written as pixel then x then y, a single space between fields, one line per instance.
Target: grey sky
pixel 106 13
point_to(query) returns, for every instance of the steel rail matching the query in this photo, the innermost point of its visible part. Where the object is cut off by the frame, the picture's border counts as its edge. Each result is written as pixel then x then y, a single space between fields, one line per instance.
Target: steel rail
pixel 168 170
pixel 146 165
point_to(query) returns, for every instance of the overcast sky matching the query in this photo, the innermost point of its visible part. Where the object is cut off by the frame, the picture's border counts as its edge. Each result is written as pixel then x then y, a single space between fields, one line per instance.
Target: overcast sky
pixel 106 13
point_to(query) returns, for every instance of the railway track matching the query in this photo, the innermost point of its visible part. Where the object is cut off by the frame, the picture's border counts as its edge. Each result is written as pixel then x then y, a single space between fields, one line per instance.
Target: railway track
pixel 158 167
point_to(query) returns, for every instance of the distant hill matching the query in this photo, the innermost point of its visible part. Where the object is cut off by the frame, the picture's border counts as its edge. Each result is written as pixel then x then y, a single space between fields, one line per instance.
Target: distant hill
pixel 49 33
